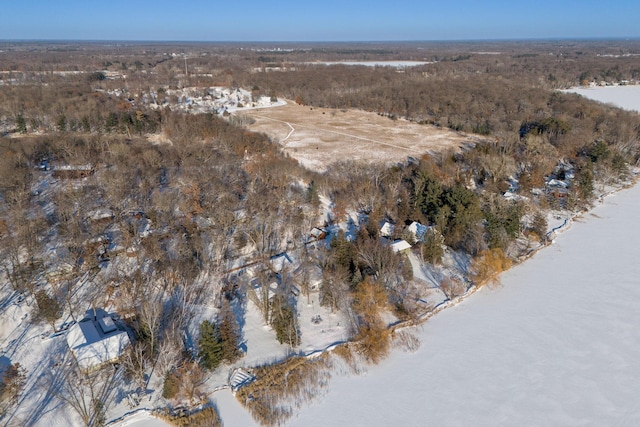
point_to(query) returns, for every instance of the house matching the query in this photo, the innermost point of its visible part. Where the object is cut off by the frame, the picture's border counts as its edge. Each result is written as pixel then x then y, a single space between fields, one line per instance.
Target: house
pixel 557 188
pixel 509 195
pixel 418 230
pixel 279 262
pixel 260 292
pixel 96 340
pixel 100 215
pixel 400 246
pixel 387 229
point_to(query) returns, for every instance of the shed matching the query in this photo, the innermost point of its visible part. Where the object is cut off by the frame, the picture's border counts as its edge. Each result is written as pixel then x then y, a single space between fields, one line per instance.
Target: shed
pixel 317 234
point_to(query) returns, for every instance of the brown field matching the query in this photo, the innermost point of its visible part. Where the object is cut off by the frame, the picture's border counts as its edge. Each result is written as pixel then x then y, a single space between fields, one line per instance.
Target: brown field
pixel 317 137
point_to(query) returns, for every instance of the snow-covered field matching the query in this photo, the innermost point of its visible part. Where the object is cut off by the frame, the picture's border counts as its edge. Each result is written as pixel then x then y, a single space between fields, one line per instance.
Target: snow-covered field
pixel 394 64
pixel 318 137
pixel 556 344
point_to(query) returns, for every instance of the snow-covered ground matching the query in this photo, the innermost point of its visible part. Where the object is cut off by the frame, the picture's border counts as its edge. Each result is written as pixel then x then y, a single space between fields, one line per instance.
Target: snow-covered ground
pixel 627 97
pixel 394 64
pixel 140 419
pixel 556 344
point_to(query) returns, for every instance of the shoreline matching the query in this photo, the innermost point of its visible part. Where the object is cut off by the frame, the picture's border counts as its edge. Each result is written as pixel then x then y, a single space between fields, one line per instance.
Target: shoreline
pixel 424 318
pixel 505 344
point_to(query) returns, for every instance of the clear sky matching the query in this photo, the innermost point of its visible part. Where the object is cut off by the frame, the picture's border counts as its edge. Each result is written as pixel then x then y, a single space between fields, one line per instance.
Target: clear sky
pixel 317 20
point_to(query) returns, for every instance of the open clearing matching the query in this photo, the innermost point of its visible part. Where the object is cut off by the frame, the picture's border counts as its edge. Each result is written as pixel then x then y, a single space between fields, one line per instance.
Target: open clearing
pixel 317 137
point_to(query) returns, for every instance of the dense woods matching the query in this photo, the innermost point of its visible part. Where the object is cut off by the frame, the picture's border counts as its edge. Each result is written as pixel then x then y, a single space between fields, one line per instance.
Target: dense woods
pixel 163 209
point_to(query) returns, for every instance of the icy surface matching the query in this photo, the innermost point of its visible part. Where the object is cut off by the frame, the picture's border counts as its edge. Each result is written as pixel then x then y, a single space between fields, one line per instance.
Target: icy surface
pixel 627 97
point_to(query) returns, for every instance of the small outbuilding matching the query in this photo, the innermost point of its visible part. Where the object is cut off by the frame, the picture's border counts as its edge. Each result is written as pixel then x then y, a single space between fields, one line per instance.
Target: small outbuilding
pixel 317 234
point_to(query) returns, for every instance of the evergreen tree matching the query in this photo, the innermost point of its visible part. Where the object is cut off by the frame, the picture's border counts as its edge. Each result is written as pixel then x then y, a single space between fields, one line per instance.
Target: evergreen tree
pixel 86 126
pixel 210 348
pixel 432 248
pixel 428 195
pixel 61 123
pixel 21 124
pixel 539 226
pixel 228 333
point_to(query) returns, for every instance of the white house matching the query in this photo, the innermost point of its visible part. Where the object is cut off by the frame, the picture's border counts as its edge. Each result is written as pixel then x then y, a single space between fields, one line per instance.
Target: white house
pixel 400 246
pixel 95 341
pixel 387 229
pixel 418 230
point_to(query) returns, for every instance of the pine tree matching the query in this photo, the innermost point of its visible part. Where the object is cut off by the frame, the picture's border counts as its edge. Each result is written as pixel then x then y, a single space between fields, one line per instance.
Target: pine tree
pixel 432 248
pixel 210 346
pixel 21 124
pixel 229 333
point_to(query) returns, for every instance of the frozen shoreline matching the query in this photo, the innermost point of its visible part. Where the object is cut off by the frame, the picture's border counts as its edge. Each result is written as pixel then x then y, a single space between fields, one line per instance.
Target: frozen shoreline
pixel 538 350
pixel 556 344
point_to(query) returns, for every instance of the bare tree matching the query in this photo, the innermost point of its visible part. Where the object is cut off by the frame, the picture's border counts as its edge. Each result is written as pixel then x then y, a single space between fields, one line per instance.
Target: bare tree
pixel 151 316
pixel 136 363
pixel 452 287
pixel 380 260
pixel 89 394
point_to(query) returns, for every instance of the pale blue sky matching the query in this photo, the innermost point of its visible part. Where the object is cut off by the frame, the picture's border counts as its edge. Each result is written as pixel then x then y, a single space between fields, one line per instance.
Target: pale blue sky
pixel 317 20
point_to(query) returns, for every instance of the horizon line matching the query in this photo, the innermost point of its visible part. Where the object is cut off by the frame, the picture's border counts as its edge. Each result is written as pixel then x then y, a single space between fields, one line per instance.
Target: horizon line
pixel 471 40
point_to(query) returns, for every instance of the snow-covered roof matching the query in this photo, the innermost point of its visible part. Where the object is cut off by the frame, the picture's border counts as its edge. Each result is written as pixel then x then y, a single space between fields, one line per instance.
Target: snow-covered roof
pixel 279 262
pixel 387 229
pixel 400 245
pixel 92 347
pixel 269 291
pixel 107 325
pixel 99 214
pixel 74 167
pixel 555 183
pixel 512 196
pixel 418 230
pixel 317 233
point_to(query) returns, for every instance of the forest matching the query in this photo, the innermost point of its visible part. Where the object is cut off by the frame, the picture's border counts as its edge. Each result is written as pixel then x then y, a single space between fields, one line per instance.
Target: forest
pixel 173 219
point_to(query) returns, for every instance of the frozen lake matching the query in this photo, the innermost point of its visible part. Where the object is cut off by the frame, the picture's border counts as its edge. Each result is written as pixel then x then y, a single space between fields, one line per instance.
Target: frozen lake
pixel 627 97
